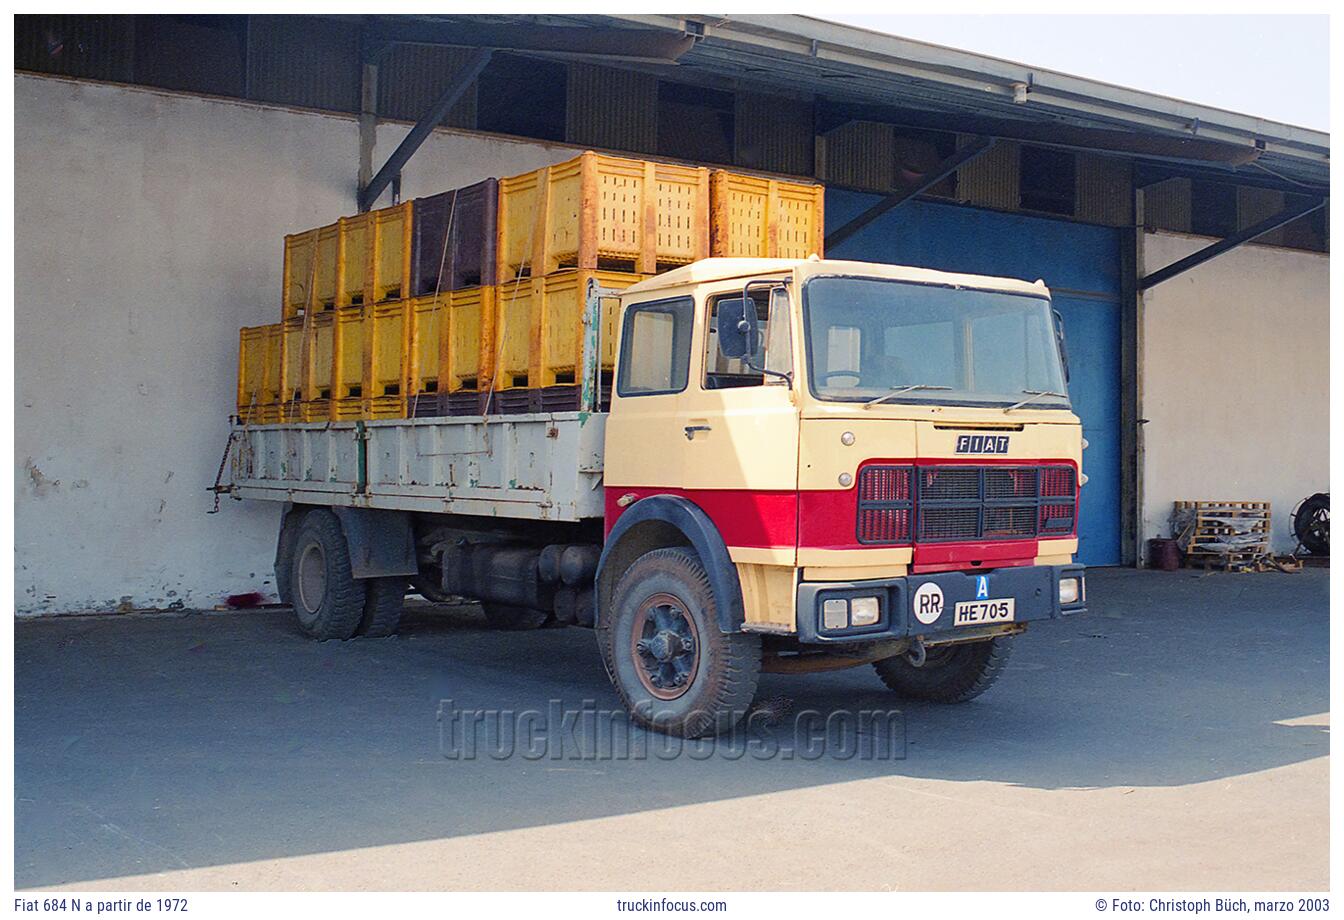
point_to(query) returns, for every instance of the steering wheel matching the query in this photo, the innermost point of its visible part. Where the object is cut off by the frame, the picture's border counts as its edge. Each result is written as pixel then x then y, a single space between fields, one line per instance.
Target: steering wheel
pixel 825 378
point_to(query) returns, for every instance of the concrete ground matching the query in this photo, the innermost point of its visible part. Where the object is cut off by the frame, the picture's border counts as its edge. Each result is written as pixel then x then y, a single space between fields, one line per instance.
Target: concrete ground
pixel 1175 738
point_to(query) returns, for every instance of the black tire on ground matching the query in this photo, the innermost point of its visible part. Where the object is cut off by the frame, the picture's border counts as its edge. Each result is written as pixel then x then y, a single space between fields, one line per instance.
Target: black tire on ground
pixel 675 670
pixel 950 673
pixel 1311 524
pixel 328 601
pixel 383 601
pixel 514 619
pixel 284 554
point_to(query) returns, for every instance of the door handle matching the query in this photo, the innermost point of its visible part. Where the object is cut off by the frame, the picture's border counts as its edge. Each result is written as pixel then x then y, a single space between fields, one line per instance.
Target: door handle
pixel 692 429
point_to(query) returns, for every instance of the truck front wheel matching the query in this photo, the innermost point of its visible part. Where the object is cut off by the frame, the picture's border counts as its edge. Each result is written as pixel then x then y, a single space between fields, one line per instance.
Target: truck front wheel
pixel 949 673
pixel 675 670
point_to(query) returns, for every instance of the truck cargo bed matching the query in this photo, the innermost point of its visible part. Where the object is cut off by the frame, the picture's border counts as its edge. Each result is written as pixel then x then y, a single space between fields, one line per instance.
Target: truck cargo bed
pixel 532 467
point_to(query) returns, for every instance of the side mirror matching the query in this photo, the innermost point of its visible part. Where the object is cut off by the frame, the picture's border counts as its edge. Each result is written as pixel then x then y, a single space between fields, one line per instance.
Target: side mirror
pixel 1063 348
pixel 738 333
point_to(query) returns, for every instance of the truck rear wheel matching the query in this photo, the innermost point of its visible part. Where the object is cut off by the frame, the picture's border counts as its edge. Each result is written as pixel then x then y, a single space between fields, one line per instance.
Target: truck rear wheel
pixel 328 601
pixel 383 601
pixel 675 670
pixel 950 673
pixel 284 554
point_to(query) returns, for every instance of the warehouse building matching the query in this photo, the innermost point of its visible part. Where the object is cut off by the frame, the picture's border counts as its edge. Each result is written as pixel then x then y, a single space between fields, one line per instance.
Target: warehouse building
pixel 160 160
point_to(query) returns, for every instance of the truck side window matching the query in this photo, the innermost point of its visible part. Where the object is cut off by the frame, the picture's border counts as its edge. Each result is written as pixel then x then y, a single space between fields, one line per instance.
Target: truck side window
pixel 656 348
pixel 775 349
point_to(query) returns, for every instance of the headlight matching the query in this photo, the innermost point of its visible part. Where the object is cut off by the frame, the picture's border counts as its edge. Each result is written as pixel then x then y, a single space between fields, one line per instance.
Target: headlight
pixel 864 611
pixel 835 613
pixel 1070 590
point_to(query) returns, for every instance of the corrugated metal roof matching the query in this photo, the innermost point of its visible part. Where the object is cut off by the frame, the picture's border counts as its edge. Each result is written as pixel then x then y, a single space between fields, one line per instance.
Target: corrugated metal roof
pixel 848 63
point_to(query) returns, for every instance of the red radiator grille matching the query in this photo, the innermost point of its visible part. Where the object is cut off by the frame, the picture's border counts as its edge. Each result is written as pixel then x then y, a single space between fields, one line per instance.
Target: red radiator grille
pixel 941 504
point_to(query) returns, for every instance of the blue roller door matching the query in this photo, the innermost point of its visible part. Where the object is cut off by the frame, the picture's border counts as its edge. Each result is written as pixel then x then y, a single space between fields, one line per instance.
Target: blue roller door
pixel 1080 264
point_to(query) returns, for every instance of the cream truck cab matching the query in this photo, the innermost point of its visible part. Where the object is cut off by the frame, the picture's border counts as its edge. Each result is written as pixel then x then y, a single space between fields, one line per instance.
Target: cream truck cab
pixel 780 465
pixel 813 464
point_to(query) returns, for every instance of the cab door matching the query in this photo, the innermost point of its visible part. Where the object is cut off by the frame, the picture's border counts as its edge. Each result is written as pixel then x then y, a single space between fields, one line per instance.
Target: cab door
pixel 740 432
pixel 645 437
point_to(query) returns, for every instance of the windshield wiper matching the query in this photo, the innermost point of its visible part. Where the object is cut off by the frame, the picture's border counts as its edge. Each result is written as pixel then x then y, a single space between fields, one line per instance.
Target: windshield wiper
pixel 900 391
pixel 1033 395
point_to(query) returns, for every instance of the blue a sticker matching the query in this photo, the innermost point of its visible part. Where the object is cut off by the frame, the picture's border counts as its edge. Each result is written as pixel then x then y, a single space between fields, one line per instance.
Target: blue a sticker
pixel 981 587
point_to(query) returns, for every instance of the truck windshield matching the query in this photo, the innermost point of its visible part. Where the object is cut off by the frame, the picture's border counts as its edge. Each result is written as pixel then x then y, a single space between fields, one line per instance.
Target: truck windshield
pixel 918 343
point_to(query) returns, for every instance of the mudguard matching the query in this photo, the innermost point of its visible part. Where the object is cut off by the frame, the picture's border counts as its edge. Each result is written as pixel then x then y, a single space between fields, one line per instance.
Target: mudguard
pixel 699 532
pixel 381 543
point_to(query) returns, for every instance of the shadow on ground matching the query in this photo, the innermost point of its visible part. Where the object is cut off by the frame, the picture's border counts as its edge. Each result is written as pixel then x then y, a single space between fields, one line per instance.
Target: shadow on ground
pixel 145 744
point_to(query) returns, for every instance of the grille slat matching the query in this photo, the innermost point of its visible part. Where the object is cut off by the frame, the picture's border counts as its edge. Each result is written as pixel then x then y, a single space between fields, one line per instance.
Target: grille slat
pixel 885 509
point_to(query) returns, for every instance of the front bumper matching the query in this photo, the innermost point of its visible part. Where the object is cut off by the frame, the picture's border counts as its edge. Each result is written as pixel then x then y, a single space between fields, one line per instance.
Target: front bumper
pixel 1035 591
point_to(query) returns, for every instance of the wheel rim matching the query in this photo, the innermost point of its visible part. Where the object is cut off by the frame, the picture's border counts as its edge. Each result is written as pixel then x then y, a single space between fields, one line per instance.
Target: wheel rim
pixel 312 580
pixel 665 646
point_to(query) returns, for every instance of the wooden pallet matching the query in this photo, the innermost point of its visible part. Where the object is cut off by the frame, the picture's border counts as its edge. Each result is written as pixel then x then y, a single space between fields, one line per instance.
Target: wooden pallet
pixel 1227 535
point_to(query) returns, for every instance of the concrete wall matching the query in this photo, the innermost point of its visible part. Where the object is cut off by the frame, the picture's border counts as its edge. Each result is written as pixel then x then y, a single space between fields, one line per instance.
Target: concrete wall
pixel 148 228
pixel 1235 377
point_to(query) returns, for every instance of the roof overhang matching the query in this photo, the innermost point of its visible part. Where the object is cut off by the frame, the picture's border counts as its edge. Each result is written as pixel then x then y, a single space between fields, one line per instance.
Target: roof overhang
pixel 946 86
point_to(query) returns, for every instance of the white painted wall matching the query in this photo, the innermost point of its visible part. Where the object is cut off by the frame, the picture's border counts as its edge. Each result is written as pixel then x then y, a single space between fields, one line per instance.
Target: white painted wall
pixel 148 228
pixel 1236 363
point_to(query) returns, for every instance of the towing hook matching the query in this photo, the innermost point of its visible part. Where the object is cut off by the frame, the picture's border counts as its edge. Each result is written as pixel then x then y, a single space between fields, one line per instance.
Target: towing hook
pixel 916 654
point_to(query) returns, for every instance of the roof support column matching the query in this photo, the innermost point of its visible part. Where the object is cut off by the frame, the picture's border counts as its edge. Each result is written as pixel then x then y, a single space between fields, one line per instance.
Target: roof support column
pixel 461 81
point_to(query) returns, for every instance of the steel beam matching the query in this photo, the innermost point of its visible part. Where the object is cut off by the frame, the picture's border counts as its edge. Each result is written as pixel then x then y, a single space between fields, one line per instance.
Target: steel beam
pixel 1269 224
pixel 940 172
pixel 458 85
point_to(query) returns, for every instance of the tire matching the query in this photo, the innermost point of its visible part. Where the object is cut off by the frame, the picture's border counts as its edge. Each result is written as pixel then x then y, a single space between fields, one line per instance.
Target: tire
pixel 328 601
pixel 675 671
pixel 284 554
pixel 383 601
pixel 1311 524
pixel 951 674
pixel 514 619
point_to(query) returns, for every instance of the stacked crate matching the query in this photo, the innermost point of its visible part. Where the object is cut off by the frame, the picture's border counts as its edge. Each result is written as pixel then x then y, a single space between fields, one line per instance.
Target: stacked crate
pixel 472 301
pixel 453 291
pixel 344 312
pixel 766 218
pixel 615 220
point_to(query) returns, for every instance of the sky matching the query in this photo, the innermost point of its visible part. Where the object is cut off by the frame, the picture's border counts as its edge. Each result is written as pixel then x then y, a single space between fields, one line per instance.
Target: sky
pixel 1275 67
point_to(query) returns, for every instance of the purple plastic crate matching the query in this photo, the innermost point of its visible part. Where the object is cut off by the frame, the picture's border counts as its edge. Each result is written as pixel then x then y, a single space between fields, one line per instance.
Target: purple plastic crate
pixel 454 234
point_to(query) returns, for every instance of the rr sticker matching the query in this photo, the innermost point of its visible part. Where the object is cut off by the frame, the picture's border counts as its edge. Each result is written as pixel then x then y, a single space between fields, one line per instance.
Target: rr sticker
pixel 928 603
pixel 982 444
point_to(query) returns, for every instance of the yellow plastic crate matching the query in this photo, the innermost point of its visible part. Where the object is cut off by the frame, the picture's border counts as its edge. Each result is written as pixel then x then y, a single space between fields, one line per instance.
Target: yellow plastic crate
pixel 447 345
pixel 602 211
pixel 291 360
pixel 361 259
pixel 427 344
pixel 311 270
pixel 766 218
pixel 258 367
pixel 539 328
pixel 469 339
pixel 319 341
pixel 389 349
pixel 350 356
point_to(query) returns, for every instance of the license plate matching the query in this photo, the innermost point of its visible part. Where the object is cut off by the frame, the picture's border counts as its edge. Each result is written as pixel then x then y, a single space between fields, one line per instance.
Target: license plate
pixel 983 613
